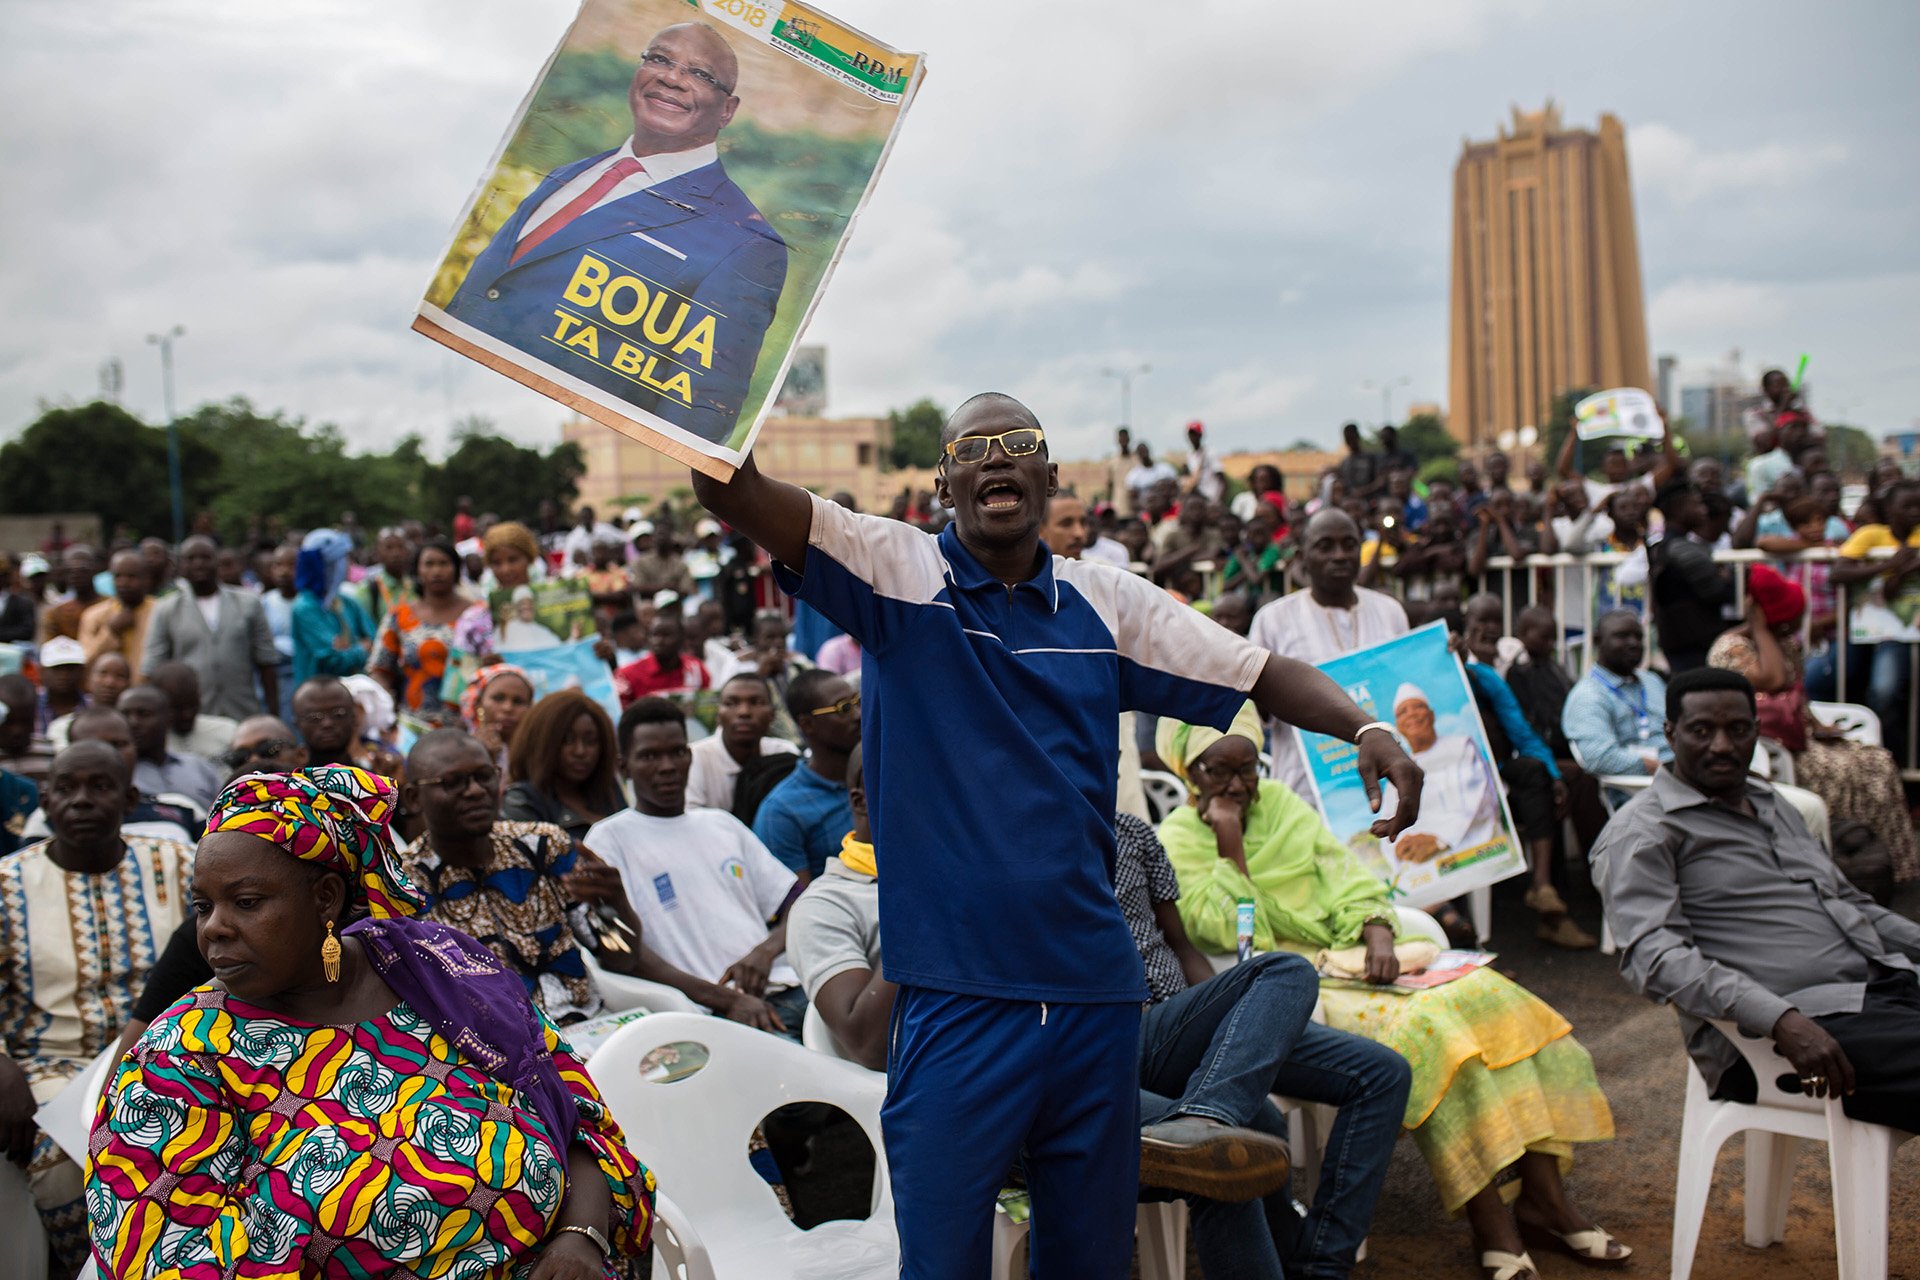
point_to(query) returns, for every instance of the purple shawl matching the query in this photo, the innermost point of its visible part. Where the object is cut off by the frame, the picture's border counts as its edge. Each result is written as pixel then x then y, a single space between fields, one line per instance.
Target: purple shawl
pixel 479 1005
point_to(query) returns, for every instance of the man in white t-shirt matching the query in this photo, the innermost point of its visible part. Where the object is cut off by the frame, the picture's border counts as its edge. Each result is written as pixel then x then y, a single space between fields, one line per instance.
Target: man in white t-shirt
pixel 1333 616
pixel 712 901
pixel 745 714
pixel 1146 474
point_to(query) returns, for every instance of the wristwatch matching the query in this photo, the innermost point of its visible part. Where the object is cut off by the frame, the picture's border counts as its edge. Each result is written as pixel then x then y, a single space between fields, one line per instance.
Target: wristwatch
pixel 594 1234
pixel 1371 724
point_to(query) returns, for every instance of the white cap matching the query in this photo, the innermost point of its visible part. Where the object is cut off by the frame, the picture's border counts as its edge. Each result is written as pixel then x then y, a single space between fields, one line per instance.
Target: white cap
pixel 639 528
pixel 62 651
pixel 706 528
pixel 1410 693
pixel 633 515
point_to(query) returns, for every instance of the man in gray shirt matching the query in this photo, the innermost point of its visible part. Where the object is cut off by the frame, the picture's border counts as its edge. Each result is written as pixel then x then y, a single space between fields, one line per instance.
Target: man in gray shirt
pixel 1726 907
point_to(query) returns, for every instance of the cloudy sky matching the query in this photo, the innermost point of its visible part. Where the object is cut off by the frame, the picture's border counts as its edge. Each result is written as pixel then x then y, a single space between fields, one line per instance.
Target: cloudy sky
pixel 1250 197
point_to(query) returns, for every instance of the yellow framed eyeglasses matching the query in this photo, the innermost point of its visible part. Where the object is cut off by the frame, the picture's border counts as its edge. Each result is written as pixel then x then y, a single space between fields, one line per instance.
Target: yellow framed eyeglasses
pixel 1020 443
pixel 838 708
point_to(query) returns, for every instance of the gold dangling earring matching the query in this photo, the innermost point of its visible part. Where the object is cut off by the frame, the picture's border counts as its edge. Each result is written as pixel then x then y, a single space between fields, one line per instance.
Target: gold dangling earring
pixel 330 955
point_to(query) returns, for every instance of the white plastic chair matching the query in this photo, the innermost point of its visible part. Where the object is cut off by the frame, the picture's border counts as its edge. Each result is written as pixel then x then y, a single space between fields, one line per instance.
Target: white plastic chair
pixel 678 1251
pixel 1858 723
pixel 622 992
pixel 693 1133
pixel 816 1035
pixel 1164 793
pixel 1858 1154
pixel 23 1239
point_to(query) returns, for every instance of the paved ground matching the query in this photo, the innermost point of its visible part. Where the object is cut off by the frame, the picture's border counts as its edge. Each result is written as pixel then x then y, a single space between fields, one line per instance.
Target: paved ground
pixel 1626 1185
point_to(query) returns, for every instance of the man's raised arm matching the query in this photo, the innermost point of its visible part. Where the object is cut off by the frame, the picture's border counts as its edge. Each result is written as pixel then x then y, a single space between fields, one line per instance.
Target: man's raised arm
pixel 775 514
pixel 1292 692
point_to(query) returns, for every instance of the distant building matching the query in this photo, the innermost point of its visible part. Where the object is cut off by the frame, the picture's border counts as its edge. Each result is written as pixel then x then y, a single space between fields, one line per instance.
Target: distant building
pixel 826 455
pixel 1717 407
pixel 1665 379
pixel 1546 274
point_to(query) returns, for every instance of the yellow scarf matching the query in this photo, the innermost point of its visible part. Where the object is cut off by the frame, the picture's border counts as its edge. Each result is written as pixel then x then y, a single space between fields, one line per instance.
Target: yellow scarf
pixel 857 856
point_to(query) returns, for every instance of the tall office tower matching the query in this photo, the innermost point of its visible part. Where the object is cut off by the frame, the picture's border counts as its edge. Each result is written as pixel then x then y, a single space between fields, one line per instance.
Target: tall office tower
pixel 1546 274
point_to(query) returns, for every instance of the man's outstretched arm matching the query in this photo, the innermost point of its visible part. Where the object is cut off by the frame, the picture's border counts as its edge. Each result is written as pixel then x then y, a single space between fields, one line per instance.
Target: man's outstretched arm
pixel 775 514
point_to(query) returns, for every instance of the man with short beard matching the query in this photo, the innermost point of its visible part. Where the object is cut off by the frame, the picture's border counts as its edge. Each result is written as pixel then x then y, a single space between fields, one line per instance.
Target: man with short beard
pixel 218 631
pixel 101 904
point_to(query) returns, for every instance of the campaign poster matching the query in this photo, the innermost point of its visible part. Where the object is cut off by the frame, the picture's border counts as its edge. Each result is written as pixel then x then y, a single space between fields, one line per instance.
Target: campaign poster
pixel 1464 837
pixel 568 666
pixel 539 615
pixel 1623 411
pixel 665 210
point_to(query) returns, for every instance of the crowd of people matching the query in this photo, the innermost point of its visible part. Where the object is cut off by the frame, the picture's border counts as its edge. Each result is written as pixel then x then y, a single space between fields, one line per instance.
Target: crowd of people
pixel 288 826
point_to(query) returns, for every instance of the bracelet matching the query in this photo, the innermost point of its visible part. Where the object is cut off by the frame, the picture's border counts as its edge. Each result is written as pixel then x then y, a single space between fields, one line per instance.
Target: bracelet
pixel 594 1234
pixel 1371 724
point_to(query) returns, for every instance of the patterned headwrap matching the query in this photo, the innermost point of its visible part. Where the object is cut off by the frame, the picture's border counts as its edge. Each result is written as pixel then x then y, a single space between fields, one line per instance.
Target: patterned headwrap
pixel 334 815
pixel 477 688
pixel 1180 744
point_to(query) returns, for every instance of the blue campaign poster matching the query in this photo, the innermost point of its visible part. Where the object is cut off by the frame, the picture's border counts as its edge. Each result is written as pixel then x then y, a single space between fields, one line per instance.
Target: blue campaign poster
pixel 568 666
pixel 1464 837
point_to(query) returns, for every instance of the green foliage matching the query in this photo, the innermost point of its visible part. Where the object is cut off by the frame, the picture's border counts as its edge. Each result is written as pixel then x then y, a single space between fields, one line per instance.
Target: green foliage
pixel 100 458
pixel 1432 469
pixel 1849 449
pixel 1428 439
pixel 240 465
pixel 916 434
pixel 1559 422
pixel 500 476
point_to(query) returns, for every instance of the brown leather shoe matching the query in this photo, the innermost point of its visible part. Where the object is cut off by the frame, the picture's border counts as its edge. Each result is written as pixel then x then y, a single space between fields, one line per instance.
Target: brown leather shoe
pixel 1562 932
pixel 1203 1157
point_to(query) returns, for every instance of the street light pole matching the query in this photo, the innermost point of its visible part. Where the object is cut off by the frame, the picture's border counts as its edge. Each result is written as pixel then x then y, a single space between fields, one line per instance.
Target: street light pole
pixel 165 342
pixel 1386 396
pixel 1126 377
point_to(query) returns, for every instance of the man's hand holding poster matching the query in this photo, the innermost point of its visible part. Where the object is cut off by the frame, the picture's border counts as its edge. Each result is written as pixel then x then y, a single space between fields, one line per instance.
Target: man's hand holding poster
pixel 1465 836
pixel 665 211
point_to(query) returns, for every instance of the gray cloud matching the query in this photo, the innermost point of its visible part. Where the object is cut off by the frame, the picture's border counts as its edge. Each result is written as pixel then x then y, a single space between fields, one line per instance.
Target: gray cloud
pixel 1252 199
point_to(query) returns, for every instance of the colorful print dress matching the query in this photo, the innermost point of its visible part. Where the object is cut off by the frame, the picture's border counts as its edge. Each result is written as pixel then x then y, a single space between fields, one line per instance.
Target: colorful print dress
pixel 416 653
pixel 238 1143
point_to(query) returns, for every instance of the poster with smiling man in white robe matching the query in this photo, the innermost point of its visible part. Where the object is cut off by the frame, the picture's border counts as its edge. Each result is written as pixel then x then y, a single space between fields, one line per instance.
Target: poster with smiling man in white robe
pixel 1465 837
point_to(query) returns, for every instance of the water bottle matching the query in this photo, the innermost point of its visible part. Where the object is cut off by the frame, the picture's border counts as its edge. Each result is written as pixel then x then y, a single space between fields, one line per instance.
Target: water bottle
pixel 1243 917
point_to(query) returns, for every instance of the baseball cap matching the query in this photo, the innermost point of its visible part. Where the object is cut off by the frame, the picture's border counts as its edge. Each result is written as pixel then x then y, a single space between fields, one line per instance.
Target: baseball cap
pixel 32 564
pixel 62 651
pixel 639 528
pixel 706 528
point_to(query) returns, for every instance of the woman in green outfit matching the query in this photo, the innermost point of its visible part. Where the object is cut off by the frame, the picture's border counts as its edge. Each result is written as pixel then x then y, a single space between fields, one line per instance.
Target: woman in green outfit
pixel 1499 1081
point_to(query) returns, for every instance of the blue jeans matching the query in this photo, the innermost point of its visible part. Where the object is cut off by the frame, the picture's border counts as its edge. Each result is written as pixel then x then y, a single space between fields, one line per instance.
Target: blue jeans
pixel 1218 1050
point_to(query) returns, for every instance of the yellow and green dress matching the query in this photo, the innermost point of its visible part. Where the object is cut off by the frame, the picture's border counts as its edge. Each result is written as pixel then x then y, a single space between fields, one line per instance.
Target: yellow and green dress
pixel 1496 1071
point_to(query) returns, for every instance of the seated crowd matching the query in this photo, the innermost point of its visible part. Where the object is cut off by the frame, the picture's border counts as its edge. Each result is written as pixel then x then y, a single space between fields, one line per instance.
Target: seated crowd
pixel 425 893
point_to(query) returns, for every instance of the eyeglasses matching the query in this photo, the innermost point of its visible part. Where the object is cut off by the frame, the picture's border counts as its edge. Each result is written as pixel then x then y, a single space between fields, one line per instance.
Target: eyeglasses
pixel 839 708
pixel 661 62
pixel 455 783
pixel 271 749
pixel 1247 773
pixel 1020 443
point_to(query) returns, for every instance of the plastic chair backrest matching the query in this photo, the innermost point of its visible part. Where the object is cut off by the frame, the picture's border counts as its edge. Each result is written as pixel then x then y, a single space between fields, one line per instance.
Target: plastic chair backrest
pixel 1415 923
pixel 697 1129
pixel 678 1250
pixel 1858 723
pixel 1164 793
pixel 622 992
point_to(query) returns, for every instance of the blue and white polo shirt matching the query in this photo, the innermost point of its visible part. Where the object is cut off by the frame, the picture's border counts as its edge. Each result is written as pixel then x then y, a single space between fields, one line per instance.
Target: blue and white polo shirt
pixel 990 753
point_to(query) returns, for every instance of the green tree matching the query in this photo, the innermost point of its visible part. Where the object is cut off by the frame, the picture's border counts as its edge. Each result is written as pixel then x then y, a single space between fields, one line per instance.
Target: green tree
pixel 1428 439
pixel 1559 422
pixel 1849 449
pixel 508 479
pixel 101 459
pixel 916 434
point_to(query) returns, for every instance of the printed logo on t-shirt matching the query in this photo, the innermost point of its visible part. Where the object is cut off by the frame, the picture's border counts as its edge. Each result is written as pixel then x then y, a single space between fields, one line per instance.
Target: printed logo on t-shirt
pixel 663 889
pixel 735 868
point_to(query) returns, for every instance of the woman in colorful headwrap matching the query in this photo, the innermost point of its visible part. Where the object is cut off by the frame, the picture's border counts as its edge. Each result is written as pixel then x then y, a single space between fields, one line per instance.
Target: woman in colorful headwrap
pixel 493 704
pixel 1498 1079
pixel 358 1094
pixel 511 552
pixel 332 634
pixel 1858 781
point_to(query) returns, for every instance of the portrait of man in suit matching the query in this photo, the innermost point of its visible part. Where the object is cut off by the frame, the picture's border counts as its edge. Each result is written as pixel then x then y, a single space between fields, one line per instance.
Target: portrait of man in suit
pixel 643 271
